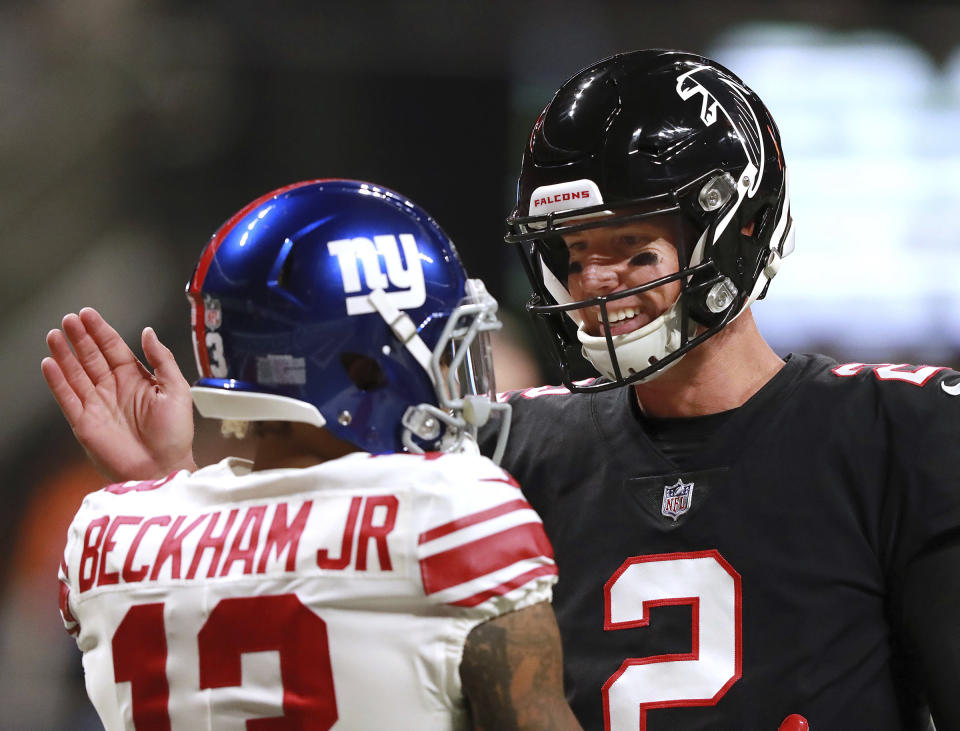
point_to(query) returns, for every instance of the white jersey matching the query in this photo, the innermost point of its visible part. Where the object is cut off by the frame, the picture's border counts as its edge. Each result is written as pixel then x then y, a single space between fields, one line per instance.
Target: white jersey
pixel 337 597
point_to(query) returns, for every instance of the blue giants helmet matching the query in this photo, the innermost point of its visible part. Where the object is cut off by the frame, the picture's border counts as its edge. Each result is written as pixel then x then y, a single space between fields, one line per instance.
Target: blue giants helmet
pixel 342 304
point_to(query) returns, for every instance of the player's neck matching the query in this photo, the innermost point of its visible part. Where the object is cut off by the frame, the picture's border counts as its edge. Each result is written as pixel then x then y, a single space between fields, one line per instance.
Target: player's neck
pixel 719 375
pixel 296 446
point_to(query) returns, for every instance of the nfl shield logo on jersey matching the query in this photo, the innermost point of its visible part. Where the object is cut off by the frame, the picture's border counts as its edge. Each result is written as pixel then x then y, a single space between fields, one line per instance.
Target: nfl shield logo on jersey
pixel 677 499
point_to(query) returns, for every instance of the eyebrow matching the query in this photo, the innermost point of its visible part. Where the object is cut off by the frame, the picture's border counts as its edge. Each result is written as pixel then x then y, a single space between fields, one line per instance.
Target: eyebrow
pixel 643 238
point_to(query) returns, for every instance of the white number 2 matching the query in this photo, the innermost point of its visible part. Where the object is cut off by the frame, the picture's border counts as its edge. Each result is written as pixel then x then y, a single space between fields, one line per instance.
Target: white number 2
pixel 702 580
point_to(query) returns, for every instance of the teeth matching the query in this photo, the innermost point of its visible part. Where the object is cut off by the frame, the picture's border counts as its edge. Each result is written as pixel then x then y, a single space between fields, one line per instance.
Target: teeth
pixel 624 314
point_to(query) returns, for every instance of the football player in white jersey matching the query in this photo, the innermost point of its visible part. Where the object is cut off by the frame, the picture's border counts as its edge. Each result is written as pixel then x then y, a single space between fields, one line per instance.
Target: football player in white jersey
pixel 368 569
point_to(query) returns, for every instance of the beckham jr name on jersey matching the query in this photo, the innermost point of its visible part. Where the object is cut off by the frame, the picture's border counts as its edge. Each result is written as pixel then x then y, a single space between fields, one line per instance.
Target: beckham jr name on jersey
pixel 760 577
pixel 337 596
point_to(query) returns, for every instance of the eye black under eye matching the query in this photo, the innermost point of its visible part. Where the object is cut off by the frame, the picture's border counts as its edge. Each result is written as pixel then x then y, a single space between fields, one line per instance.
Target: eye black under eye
pixel 574 267
pixel 645 258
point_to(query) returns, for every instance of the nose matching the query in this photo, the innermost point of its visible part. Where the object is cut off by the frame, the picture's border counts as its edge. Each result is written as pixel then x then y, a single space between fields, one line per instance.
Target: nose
pixel 597 278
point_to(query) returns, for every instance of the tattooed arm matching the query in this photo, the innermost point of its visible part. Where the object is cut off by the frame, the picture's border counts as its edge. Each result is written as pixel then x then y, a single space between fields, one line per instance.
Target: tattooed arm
pixel 512 673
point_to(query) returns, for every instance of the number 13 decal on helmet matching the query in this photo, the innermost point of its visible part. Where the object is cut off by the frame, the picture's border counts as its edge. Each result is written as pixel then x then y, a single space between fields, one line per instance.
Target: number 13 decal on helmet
pixel 705 582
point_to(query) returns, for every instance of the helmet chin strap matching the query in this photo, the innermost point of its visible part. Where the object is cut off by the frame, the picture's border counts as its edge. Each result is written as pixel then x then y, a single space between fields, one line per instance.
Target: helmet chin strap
pixel 404 328
pixel 634 350
pixel 559 292
pixel 424 420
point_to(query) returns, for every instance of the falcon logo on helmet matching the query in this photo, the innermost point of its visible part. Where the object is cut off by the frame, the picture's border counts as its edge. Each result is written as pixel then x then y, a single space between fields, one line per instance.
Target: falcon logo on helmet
pixel 688 87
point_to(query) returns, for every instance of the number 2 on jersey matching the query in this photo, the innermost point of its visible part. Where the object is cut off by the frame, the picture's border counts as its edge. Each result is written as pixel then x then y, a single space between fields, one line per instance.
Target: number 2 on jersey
pixel 705 582
pixel 235 626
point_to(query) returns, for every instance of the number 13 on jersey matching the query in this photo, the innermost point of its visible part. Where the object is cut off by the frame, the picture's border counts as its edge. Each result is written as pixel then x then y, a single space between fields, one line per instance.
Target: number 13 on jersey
pixel 705 582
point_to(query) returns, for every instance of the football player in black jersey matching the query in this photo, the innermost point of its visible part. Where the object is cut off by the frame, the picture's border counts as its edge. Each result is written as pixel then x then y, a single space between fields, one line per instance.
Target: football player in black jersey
pixel 744 541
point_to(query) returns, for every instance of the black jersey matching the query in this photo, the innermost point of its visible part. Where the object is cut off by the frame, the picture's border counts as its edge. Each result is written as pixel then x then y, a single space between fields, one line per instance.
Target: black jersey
pixel 803 562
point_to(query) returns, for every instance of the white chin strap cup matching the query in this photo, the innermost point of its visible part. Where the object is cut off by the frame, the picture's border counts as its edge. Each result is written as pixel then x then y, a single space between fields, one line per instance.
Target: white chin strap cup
pixel 638 349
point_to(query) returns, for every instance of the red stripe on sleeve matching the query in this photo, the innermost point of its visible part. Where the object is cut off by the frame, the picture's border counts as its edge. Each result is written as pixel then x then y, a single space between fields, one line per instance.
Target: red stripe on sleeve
pixel 480 598
pixel 472 519
pixel 483 556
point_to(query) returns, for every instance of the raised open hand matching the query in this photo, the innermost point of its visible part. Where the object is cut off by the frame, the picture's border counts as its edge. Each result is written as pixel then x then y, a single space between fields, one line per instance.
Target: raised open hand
pixel 134 424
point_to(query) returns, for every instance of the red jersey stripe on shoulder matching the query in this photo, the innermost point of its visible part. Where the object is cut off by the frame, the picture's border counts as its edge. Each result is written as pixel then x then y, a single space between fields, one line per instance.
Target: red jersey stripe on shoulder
pixel 507 586
pixel 472 519
pixel 483 556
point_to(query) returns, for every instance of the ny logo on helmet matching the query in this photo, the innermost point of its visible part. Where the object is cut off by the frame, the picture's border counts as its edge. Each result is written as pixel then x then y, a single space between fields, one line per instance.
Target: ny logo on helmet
pixel 404 275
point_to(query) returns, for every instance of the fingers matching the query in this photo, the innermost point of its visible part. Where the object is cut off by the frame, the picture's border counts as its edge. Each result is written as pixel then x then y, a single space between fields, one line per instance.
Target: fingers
pixel 74 375
pixel 161 359
pixel 69 402
pixel 109 345
pixel 87 350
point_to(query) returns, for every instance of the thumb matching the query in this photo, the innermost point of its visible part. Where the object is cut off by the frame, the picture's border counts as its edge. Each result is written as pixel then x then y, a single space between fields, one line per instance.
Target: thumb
pixel 161 359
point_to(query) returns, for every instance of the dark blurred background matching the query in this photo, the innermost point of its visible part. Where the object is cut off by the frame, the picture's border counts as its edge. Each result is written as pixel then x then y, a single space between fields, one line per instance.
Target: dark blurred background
pixel 130 131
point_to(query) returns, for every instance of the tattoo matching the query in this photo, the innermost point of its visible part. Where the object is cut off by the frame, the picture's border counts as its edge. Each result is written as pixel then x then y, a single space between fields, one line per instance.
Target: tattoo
pixel 485 674
pixel 512 673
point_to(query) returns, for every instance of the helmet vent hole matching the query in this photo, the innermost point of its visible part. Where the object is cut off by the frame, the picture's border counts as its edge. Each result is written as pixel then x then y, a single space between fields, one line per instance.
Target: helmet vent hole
pixel 284 274
pixel 363 371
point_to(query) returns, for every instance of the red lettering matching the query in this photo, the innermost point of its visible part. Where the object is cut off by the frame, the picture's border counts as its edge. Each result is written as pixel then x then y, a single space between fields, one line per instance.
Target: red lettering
pixel 378 533
pixel 346 546
pixel 129 575
pixel 172 545
pixel 561 197
pixel 113 577
pixel 215 542
pixel 91 551
pixel 282 536
pixel 252 519
pixel 123 488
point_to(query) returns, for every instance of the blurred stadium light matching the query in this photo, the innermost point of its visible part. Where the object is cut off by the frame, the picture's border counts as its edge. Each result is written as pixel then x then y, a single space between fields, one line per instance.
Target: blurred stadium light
pixel 869 126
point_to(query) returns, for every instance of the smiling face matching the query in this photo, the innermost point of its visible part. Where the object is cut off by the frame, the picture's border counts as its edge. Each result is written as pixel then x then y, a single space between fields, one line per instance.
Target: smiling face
pixel 610 259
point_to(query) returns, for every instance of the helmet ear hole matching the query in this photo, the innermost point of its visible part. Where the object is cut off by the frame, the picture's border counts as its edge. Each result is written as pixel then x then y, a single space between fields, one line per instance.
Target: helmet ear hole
pixel 363 371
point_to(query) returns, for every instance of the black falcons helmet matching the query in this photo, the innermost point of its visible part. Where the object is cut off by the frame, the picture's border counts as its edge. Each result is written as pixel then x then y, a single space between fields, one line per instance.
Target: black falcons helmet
pixel 643 134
